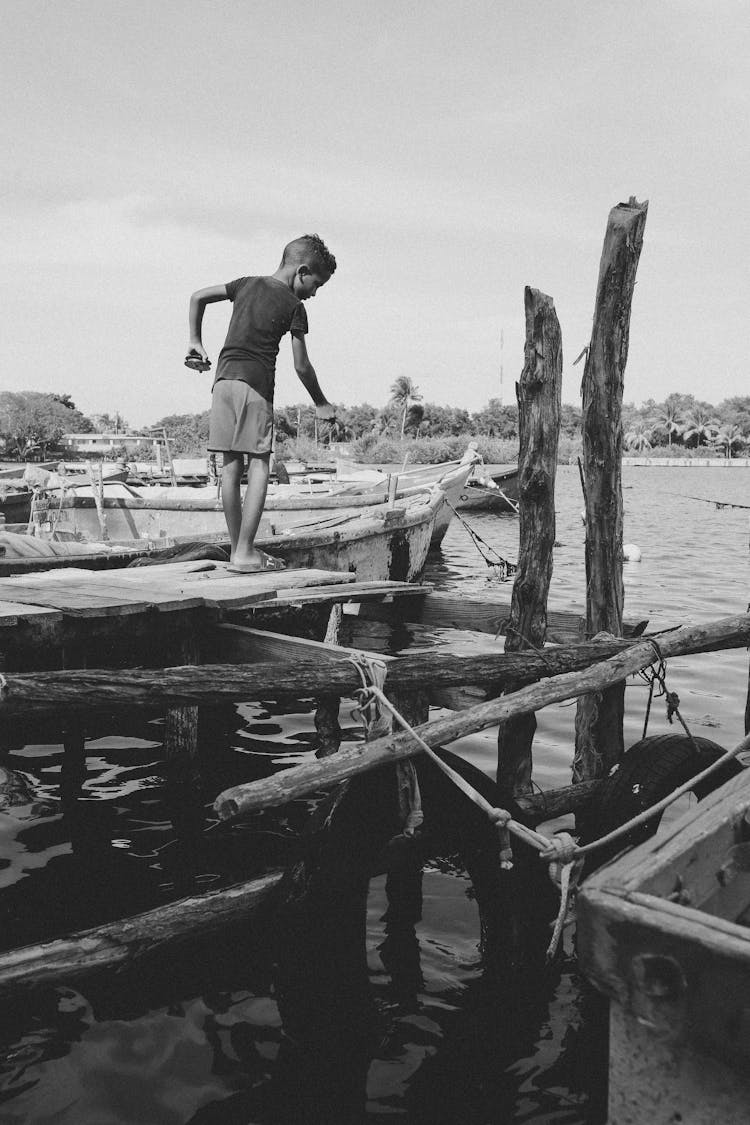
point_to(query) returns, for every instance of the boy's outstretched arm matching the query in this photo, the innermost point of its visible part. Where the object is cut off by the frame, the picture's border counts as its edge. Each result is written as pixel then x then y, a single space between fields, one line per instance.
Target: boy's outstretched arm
pixel 198 302
pixel 308 378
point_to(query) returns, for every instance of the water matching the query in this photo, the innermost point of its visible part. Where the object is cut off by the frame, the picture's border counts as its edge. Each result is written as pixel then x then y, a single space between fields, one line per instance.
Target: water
pixel 200 1038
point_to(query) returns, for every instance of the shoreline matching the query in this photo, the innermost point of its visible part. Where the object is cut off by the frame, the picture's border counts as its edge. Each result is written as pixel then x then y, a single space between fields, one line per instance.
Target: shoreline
pixel 688 462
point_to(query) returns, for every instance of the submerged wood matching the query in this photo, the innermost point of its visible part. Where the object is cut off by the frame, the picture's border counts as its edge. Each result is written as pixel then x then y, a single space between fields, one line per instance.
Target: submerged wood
pixel 118 943
pixel 730 632
pixel 538 394
pixel 485 614
pixel 599 732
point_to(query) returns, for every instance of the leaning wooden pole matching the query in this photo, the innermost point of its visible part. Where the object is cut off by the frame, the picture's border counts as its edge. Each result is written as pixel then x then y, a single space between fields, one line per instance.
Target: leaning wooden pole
pixel 538 394
pixel 599 737
pixel 286 785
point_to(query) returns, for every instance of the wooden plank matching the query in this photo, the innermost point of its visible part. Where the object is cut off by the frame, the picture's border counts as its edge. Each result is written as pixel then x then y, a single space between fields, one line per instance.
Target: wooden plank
pixel 108 594
pixel 78 601
pixel 687 855
pixel 11 613
pixel 129 574
pixel 354 591
pixel 238 591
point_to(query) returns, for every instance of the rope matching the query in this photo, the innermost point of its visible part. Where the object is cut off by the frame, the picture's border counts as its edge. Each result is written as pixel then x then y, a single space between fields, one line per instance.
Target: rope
pixel 377 723
pixel 503 566
pixel 653 675
pixel 3 684
pixel 557 850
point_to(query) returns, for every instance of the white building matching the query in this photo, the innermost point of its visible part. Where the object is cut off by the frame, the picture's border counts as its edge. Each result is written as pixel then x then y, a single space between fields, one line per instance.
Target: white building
pixel 102 443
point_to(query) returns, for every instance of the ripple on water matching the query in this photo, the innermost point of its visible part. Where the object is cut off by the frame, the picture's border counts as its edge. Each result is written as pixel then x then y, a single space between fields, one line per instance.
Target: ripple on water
pixel 455 1054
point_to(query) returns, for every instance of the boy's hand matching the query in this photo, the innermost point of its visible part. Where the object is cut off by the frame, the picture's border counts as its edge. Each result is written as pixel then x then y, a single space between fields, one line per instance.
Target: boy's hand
pixel 326 412
pixel 197 358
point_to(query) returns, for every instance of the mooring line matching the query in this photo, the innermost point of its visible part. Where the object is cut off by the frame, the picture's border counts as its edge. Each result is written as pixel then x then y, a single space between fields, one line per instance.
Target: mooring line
pixel 559 849
pixel 506 567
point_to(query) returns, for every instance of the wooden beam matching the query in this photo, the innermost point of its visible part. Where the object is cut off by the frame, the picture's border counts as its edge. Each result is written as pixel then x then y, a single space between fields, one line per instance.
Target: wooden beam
pixel 84 689
pixel 116 944
pixel 301 780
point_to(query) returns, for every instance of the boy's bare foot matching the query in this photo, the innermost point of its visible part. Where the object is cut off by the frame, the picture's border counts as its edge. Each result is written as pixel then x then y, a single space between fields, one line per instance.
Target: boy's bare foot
pixel 258 561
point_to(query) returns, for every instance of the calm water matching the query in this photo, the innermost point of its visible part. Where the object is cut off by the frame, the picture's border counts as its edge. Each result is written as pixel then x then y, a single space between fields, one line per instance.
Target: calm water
pixel 201 1039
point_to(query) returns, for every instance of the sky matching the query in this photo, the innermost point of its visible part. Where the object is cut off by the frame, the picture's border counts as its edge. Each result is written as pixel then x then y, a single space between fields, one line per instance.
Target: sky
pixel 448 153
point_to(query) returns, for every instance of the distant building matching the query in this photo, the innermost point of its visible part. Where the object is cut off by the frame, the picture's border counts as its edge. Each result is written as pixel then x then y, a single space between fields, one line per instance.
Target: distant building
pixel 102 443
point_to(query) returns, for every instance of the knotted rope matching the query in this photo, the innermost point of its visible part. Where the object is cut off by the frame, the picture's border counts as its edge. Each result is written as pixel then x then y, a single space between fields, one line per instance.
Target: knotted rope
pixel 560 851
pixel 656 674
pixel 377 722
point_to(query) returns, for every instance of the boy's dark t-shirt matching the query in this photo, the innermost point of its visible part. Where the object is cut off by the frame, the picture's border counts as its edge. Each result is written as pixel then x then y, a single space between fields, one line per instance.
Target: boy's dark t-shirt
pixel 265 309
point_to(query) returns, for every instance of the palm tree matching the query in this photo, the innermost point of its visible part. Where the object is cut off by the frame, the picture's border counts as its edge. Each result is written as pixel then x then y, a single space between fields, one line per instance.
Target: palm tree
pixel 699 424
pixel 730 438
pixel 669 419
pixel 638 438
pixel 403 393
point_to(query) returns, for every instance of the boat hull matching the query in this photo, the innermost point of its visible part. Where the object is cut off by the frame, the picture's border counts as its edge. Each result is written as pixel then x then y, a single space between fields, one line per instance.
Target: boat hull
pixel 374 543
pixel 499 494
pixel 165 515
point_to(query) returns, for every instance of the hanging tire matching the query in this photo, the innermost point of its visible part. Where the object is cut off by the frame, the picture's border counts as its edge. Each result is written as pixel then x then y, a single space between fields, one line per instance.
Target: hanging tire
pixel 649 771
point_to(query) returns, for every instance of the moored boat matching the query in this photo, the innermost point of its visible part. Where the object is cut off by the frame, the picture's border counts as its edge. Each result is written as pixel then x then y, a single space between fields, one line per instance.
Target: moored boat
pixel 376 542
pixel 86 510
pixel 663 931
pixel 491 492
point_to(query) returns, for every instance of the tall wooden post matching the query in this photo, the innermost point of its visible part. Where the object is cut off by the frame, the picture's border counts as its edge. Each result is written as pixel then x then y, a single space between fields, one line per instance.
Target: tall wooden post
pixel 599 737
pixel 538 394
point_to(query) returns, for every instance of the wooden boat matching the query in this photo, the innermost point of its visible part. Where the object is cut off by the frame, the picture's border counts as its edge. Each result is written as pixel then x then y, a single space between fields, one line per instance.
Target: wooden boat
pixel 491 492
pixel 663 931
pixel 178 512
pixel 375 542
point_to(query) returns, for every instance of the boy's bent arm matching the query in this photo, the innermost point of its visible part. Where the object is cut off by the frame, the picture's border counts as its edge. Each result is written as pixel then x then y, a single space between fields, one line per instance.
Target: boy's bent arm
pixel 306 371
pixel 198 302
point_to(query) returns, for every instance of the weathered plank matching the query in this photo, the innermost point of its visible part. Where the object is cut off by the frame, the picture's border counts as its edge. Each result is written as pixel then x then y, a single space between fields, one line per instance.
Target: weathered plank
pixel 118 943
pixel 11 613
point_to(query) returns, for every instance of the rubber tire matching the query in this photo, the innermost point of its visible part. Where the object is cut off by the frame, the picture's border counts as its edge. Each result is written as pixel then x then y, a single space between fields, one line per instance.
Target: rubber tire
pixel 649 771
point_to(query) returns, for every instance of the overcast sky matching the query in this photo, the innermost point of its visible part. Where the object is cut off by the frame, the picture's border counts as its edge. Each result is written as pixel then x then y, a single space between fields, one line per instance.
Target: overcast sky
pixel 449 153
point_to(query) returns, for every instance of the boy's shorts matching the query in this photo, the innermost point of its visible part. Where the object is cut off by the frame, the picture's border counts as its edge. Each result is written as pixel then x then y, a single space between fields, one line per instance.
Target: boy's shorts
pixel 241 419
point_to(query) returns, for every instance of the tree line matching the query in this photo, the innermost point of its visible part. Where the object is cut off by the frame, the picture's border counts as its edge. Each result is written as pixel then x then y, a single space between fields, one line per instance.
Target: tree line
pixel 32 423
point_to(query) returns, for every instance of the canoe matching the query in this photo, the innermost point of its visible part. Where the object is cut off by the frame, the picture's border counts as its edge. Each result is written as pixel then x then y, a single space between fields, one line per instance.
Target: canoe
pixel 177 512
pixel 375 542
pixel 663 931
pixel 491 492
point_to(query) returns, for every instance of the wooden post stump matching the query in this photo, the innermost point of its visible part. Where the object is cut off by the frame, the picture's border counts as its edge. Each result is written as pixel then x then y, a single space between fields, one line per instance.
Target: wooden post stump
pixel 182 776
pixel 599 736
pixel 538 394
pixel 327 710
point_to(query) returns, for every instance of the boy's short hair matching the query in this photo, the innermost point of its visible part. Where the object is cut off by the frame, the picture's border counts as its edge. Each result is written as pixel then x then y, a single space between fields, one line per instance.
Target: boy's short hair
pixel 310 250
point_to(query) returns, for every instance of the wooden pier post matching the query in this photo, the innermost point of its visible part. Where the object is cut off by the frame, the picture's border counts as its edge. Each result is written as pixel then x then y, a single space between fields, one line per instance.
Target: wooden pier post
pixel 538 393
pixel 599 736
pixel 182 787
pixel 327 709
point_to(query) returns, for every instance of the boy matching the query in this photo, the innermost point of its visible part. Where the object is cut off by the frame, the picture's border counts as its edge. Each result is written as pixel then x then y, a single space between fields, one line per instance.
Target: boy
pixel 265 309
